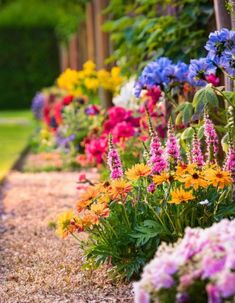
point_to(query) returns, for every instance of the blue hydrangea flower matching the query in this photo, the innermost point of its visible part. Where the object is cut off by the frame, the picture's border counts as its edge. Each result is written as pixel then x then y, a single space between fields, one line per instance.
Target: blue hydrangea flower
pixel 37 105
pixel 227 62
pixel 199 69
pixel 176 72
pixel 161 72
pixel 219 43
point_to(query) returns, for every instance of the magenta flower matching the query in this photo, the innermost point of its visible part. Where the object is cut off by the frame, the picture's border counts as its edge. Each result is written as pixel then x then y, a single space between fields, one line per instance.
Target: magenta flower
pixel 230 160
pixel 213 294
pixel 96 148
pixel 122 130
pixel 197 156
pixel 156 161
pixel 151 188
pixel 114 162
pixel 172 146
pixel 211 138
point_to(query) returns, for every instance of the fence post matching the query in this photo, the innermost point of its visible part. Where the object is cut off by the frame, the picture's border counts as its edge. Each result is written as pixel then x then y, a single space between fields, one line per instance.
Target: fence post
pixel 223 20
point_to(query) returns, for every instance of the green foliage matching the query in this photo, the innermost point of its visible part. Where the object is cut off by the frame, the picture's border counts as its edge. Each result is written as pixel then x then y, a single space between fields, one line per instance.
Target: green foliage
pixel 143 30
pixel 28 62
pixel 63 16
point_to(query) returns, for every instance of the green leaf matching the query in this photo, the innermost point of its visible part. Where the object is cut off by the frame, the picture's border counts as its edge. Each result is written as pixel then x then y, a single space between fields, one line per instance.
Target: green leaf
pixel 187 112
pixel 187 133
pixel 205 97
pixel 200 132
pixel 230 96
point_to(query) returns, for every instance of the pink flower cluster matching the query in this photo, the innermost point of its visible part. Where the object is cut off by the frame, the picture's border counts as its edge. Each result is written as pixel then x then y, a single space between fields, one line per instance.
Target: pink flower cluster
pixel 197 156
pixel 121 123
pixel 95 149
pixel 157 160
pixel 172 145
pixel 211 137
pixel 203 255
pixel 114 163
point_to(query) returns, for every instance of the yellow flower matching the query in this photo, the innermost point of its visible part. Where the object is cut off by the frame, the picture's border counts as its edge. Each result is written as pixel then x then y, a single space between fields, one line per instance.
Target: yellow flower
pixel 163 177
pixel 63 224
pixel 180 196
pixel 89 66
pixel 68 79
pixel 91 83
pixel 115 71
pixel 137 171
pixel 119 187
pixel 193 179
pixel 218 178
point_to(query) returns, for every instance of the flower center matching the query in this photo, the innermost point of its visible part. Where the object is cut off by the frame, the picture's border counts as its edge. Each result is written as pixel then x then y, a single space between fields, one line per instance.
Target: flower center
pixel 195 176
pixel 219 175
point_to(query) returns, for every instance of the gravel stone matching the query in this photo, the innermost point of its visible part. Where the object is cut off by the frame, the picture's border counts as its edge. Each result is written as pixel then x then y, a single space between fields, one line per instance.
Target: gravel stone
pixel 35 265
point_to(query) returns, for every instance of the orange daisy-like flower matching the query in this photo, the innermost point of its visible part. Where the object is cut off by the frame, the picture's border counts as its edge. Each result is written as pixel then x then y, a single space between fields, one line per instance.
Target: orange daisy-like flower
pixel 138 171
pixel 193 179
pixel 82 204
pixel 119 188
pixel 89 218
pixel 87 198
pixel 67 224
pixel 179 196
pixel 183 169
pixel 101 210
pixel 90 193
pixel 163 177
pixel 218 178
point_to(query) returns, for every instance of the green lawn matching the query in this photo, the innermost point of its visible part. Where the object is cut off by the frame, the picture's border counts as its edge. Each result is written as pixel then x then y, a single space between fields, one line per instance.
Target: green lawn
pixel 15 130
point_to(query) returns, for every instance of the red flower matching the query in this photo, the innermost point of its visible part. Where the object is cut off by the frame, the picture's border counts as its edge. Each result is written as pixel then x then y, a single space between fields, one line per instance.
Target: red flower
pixel 67 100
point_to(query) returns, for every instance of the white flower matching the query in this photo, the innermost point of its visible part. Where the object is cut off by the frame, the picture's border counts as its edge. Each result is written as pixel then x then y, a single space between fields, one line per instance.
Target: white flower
pixel 204 202
pixel 126 97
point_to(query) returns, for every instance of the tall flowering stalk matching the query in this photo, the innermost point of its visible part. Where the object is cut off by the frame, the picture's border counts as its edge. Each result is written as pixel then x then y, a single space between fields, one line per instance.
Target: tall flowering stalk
pixel 172 146
pixel 211 138
pixel 114 161
pixel 156 160
pixel 197 156
pixel 230 161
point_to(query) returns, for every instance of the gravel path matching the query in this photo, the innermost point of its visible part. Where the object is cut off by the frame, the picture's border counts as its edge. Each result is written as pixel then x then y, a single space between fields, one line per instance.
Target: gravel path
pixel 36 266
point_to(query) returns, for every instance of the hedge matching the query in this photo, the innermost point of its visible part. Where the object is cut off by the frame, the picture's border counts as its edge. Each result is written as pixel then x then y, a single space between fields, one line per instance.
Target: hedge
pixel 29 60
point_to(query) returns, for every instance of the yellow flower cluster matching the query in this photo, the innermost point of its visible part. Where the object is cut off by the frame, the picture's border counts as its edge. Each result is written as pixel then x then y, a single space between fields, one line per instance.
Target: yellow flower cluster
pixel 89 79
pixel 110 80
pixel 68 79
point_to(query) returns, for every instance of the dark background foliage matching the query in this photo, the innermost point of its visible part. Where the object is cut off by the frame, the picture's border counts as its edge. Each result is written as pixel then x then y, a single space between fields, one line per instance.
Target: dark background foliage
pixel 142 30
pixel 28 61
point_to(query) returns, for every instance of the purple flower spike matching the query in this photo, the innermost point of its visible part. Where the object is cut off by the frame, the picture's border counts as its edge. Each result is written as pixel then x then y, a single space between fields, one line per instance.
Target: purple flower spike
pixel 114 162
pixel 197 156
pixel 172 146
pixel 211 138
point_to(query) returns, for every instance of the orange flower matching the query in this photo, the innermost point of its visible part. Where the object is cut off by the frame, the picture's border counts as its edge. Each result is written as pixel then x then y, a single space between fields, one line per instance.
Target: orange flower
pixel 119 188
pixel 89 218
pixel 101 210
pixel 138 171
pixel 163 177
pixel 192 178
pixel 179 196
pixel 218 177
pixel 91 193
pixel 82 204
